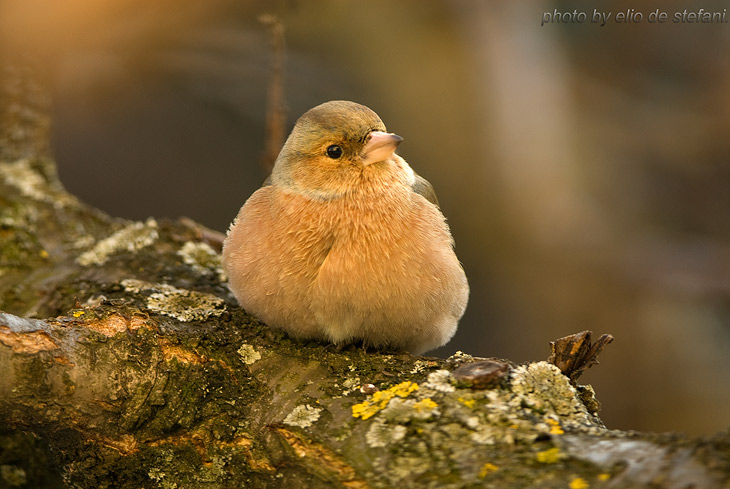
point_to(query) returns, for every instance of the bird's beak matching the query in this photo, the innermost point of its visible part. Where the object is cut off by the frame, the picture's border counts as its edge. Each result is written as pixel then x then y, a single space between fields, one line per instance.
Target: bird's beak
pixel 379 147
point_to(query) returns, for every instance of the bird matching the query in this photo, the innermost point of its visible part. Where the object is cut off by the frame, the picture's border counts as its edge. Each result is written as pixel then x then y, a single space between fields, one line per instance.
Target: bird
pixel 344 242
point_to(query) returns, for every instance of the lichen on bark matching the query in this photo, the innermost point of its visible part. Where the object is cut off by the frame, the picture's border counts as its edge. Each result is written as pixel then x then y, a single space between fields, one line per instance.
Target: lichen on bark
pixel 127 363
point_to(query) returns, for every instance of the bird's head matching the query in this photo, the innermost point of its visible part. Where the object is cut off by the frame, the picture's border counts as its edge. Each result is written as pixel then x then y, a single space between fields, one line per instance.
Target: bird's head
pixel 335 147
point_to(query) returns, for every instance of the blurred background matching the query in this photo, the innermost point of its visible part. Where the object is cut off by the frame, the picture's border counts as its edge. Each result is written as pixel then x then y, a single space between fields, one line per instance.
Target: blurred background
pixel 583 169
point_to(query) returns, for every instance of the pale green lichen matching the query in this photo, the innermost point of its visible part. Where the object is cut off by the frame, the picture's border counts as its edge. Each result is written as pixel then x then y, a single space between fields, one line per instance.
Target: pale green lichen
pixel 408 467
pixel 460 357
pixel 440 381
pixel 30 183
pixel 543 388
pixel 21 175
pixel 303 416
pixel 202 259
pixel 82 242
pixel 182 304
pixel 537 402
pixel 186 305
pixel 23 217
pixel 418 366
pixel 404 410
pixel 350 384
pixel 381 434
pixel 248 354
pixel 155 474
pixel 421 365
pixel 485 434
pixel 132 237
pixel 136 286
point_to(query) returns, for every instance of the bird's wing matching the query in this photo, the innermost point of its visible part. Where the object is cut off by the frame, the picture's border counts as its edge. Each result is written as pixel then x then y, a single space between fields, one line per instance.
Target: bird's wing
pixel 423 188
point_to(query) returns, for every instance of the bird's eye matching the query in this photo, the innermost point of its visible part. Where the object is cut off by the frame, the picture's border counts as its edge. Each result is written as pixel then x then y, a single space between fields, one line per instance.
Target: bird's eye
pixel 334 151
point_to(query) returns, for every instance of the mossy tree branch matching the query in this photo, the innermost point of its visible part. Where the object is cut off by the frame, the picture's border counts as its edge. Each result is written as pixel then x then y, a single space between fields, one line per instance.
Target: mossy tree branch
pixel 127 363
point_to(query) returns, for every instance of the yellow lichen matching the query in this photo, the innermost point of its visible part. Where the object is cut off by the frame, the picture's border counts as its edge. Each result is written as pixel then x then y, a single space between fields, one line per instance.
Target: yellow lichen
pixel 78 314
pixel 487 469
pixel 401 390
pixel 467 402
pixel 380 399
pixel 578 483
pixel 425 408
pixel 549 456
pixel 604 477
pixel 555 428
pixel 425 405
pixel 365 410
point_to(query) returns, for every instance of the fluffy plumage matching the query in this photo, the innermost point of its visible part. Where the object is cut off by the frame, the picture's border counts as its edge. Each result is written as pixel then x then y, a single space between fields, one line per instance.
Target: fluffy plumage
pixel 345 242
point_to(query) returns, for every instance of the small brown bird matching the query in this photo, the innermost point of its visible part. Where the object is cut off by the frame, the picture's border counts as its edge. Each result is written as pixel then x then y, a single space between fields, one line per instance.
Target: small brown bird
pixel 345 242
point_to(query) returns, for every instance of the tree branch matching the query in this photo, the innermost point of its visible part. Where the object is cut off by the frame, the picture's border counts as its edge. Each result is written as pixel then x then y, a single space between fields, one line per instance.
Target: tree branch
pixel 139 370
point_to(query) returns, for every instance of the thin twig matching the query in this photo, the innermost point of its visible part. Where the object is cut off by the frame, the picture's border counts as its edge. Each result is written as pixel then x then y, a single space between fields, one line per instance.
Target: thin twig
pixel 275 105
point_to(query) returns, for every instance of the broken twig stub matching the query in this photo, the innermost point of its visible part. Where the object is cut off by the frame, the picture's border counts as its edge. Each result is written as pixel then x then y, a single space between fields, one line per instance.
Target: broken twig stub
pixel 575 353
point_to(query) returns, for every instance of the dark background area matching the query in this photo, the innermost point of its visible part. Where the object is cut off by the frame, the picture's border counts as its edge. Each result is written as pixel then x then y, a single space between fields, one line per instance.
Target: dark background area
pixel 583 169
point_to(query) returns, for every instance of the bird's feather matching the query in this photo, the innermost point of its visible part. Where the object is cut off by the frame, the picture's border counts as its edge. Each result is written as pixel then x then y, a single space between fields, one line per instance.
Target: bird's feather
pixel 424 188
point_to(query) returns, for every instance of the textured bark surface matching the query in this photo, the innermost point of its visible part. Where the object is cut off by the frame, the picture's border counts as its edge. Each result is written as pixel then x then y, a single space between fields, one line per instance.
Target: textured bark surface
pixel 126 363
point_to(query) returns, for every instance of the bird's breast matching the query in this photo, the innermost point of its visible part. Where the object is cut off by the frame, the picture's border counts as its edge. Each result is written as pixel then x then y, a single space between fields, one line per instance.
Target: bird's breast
pixel 357 223
pixel 363 245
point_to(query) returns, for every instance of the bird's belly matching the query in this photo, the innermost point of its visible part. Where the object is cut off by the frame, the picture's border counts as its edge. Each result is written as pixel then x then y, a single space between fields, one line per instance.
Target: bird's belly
pixel 389 277
pixel 385 289
pixel 354 289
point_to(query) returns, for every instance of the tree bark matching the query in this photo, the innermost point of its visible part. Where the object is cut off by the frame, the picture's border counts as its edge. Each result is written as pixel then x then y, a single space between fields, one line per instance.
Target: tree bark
pixel 128 364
